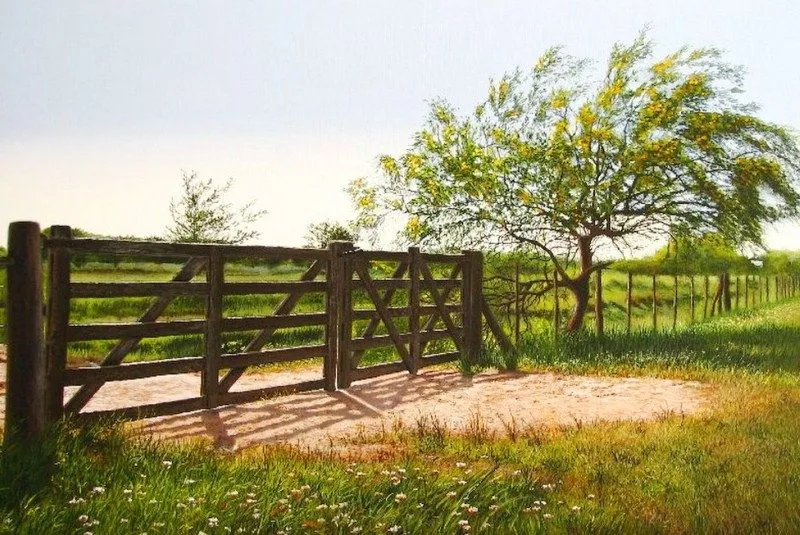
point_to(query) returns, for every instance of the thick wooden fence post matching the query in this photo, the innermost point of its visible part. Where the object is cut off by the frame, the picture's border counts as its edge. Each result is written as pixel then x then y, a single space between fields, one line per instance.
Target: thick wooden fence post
pixel 674 302
pixel 655 304
pixel 415 345
pixel 58 279
pixel 628 302
pixel 598 302
pixel 215 277
pixel 332 309
pixel 556 305
pixel 26 368
pixel 691 299
pixel 342 256
pixel 472 292
pixel 737 292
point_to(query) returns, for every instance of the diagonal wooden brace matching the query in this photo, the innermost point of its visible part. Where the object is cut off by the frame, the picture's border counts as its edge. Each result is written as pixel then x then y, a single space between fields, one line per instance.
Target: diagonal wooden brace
pixel 265 335
pixel 80 398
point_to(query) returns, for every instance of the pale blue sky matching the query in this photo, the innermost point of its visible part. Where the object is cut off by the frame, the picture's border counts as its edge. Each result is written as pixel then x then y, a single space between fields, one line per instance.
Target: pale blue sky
pixel 102 103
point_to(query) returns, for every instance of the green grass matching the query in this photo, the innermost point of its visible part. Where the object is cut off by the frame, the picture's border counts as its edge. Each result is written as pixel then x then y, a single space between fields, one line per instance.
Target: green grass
pixel 734 468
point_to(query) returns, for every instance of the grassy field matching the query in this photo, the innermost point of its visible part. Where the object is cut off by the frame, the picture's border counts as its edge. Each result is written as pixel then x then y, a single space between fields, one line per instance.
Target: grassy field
pixel 732 469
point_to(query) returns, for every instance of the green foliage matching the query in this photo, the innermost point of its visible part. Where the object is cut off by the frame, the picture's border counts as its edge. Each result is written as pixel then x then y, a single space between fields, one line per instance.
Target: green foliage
pixel 202 215
pixel 320 235
pixel 687 255
pixel 781 262
pixel 552 161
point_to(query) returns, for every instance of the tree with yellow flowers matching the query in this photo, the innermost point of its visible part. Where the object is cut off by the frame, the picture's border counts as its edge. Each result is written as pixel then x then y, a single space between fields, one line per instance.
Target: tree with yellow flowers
pixel 558 163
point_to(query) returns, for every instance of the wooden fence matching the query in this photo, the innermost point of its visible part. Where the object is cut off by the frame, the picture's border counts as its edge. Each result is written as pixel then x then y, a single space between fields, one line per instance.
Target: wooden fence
pixel 38 370
pixel 745 291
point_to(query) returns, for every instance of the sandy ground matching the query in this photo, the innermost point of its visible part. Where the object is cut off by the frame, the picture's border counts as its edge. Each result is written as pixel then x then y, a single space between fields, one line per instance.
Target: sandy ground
pixel 319 419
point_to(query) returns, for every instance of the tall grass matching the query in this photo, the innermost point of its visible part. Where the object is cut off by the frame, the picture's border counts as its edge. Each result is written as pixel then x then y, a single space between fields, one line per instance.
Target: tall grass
pixel 734 468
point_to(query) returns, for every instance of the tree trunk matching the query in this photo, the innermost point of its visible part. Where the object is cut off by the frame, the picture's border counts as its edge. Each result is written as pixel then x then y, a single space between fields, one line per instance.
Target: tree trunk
pixel 580 290
pixel 579 286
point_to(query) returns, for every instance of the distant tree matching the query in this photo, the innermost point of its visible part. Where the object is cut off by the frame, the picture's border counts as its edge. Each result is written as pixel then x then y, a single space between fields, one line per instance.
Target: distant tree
pixel 320 235
pixel 555 161
pixel 202 215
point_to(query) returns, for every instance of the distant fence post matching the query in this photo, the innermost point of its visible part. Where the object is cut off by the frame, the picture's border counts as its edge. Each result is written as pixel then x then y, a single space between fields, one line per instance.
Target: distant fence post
pixel 598 302
pixel 691 299
pixel 766 283
pixel 472 293
pixel 737 292
pixel 674 302
pixel 655 304
pixel 628 302
pixel 556 305
pixel 58 279
pixel 746 291
pixel 26 377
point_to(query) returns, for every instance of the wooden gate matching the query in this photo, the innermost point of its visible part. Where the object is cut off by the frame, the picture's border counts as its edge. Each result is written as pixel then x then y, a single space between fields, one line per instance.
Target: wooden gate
pixel 372 313
pixel 409 311
pixel 219 370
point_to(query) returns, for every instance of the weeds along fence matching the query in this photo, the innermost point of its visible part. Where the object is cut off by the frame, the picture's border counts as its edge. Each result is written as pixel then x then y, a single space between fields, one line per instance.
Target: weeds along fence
pixel 428 310
pixel 626 301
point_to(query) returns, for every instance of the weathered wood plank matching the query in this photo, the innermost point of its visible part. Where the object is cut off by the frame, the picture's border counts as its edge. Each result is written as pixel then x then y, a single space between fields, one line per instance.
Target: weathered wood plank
pixel 369 372
pixel 136 289
pixel 274 322
pixel 424 310
pixel 415 344
pixel 599 324
pixel 234 252
pixel 215 277
pixel 114 331
pixel 271 356
pixel 144 248
pixel 134 370
pixel 405 284
pixel 384 256
pixel 247 288
pixel 26 416
pixel 494 326
pixel 345 328
pixel 360 344
pixel 440 258
pixel 57 322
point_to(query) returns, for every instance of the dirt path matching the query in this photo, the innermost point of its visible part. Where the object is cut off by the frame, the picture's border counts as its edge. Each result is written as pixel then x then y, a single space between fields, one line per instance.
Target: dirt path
pixel 315 419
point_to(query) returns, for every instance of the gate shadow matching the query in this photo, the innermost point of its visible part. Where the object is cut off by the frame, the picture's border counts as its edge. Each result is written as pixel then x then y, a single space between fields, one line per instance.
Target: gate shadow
pixel 305 419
